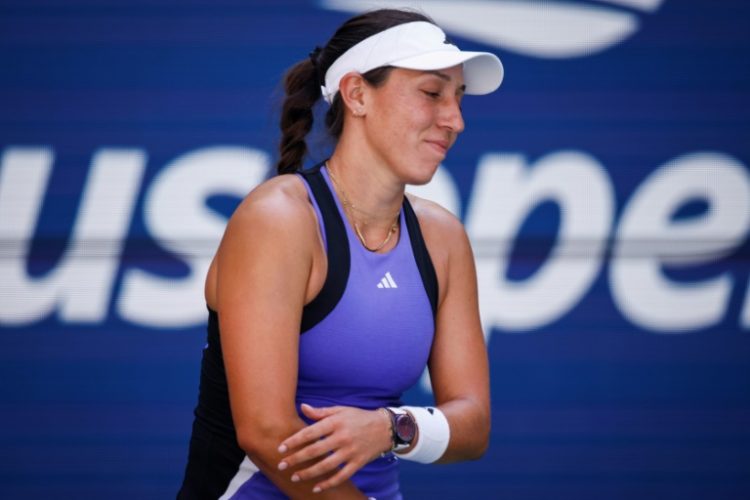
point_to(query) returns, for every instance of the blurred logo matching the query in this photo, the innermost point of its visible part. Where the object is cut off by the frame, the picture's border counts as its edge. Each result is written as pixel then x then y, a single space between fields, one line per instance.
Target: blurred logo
pixel 547 29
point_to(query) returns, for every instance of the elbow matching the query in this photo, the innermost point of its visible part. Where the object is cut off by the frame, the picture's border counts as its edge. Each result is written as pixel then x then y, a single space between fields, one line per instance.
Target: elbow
pixel 481 448
pixel 481 441
pixel 261 438
pixel 478 448
pixel 247 440
pixel 250 440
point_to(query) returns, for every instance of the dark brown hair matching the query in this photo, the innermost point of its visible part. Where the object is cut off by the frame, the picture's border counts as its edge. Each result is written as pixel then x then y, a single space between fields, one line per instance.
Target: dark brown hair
pixel 303 80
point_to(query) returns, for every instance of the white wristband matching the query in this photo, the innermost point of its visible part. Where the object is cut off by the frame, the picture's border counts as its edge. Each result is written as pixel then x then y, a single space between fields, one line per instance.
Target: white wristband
pixel 434 434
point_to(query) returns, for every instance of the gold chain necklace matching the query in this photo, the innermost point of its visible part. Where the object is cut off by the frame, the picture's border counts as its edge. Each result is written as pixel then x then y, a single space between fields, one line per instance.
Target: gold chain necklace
pixel 349 205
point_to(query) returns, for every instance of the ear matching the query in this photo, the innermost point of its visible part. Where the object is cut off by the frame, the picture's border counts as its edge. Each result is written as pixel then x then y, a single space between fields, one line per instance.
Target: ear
pixel 353 89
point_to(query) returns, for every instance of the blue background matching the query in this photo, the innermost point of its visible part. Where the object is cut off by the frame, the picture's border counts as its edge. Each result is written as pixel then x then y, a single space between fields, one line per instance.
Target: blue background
pixel 589 406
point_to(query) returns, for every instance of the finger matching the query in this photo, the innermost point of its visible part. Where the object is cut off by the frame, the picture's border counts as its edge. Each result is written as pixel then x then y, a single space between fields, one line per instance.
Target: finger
pixel 342 475
pixel 305 435
pixel 311 411
pixel 318 413
pixel 325 466
pixel 309 452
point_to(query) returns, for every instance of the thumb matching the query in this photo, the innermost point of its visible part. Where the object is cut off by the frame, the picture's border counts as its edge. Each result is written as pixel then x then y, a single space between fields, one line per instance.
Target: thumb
pixel 317 413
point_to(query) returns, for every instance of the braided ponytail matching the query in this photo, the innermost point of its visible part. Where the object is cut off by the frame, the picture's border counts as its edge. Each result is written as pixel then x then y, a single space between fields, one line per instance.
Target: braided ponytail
pixel 302 91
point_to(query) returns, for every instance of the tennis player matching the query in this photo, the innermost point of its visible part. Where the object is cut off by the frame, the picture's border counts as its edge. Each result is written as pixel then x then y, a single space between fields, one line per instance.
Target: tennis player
pixel 332 290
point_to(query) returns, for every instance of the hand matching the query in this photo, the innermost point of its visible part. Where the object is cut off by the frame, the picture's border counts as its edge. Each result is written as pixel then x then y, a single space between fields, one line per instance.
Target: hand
pixel 341 435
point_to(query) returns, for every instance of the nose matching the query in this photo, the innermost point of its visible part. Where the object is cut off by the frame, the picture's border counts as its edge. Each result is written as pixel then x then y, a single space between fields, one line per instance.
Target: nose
pixel 451 116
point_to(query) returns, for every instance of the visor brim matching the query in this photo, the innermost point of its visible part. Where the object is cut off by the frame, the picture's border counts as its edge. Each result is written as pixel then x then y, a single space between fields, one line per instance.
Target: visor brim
pixel 483 71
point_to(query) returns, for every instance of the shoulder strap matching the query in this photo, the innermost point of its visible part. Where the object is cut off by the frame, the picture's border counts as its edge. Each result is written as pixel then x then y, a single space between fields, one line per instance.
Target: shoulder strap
pixel 337 252
pixel 422 256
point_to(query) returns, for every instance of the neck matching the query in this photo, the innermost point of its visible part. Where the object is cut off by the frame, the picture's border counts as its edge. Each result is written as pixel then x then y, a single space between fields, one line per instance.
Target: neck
pixel 371 187
pixel 371 198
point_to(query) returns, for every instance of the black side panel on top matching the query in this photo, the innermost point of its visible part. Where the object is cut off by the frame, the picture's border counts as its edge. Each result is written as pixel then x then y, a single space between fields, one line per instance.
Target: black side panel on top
pixel 214 455
pixel 422 256
pixel 338 252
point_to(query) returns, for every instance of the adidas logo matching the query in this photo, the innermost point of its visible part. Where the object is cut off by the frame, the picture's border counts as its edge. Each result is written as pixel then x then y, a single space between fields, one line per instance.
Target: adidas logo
pixel 387 281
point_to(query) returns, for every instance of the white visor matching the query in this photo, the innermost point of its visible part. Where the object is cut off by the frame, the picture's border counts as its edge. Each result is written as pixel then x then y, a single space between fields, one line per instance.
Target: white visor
pixel 418 45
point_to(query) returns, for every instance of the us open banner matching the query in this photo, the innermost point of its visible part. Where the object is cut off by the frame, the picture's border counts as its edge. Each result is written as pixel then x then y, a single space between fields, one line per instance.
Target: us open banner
pixel 605 188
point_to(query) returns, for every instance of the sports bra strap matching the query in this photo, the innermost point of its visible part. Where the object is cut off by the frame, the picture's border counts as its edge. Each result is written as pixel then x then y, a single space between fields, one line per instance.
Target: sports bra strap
pixel 422 256
pixel 338 252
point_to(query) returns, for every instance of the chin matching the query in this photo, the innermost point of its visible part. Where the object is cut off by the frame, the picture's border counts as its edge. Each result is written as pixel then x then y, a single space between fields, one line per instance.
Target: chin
pixel 423 174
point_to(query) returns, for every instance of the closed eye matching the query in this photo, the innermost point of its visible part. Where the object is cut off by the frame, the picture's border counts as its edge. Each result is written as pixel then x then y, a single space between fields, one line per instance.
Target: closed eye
pixel 433 95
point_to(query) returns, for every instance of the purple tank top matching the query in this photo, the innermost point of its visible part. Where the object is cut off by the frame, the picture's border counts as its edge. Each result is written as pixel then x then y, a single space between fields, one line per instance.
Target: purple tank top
pixel 368 334
pixel 375 343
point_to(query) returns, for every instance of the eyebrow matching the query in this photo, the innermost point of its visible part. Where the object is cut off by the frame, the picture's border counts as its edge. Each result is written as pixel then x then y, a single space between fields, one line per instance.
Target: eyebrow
pixel 445 77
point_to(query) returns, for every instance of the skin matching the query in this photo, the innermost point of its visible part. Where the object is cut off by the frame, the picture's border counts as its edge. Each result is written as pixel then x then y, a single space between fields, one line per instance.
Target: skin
pixel 394 134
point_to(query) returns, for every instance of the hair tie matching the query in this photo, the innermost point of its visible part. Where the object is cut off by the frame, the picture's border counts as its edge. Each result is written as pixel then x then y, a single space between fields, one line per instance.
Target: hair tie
pixel 314 55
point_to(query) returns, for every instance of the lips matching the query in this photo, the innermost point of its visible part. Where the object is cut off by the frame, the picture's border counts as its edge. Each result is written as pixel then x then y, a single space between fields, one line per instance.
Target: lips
pixel 440 145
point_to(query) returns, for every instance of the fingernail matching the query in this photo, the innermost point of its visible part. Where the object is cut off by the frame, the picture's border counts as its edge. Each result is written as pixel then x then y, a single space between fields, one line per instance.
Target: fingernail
pixel 283 465
pixel 295 478
pixel 282 448
pixel 317 489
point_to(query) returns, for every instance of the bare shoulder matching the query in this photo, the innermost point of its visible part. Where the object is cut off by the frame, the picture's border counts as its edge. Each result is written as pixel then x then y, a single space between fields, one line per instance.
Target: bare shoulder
pixel 274 221
pixel 279 207
pixel 277 217
pixel 438 225
pixel 282 198
pixel 446 240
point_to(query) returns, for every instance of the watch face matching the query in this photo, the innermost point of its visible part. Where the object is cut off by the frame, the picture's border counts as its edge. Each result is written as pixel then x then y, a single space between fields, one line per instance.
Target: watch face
pixel 406 428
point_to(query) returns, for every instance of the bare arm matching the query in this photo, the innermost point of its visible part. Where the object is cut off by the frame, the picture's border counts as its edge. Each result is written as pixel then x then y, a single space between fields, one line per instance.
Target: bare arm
pixel 263 268
pixel 458 363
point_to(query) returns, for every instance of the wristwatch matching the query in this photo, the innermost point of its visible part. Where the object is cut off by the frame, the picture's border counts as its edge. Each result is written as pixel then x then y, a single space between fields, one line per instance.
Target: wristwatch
pixel 403 428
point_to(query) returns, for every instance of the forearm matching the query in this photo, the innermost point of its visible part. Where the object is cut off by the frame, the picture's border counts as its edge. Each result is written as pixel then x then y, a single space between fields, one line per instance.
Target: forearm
pixel 469 422
pixel 262 448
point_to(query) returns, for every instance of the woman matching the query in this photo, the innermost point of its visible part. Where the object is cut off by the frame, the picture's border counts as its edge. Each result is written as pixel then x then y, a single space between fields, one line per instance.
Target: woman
pixel 334 290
